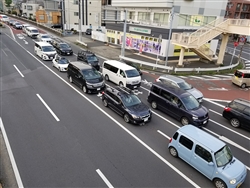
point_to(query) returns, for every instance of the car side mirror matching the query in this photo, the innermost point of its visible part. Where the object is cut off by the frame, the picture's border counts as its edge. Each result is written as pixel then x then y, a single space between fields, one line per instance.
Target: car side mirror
pixel 210 164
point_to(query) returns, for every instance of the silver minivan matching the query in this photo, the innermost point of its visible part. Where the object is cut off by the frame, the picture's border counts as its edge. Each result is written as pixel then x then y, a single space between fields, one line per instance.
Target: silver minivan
pixel 209 155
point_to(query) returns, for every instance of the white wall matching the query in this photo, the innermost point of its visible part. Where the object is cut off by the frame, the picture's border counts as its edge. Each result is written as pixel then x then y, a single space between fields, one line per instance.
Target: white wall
pixel 142 3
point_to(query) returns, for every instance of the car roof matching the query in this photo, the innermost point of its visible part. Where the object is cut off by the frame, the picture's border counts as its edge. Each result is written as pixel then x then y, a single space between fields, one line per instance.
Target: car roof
pixel 173 78
pixel 119 64
pixel 242 101
pixel 43 44
pixel 30 27
pixel 172 89
pixel 209 141
pixel 81 65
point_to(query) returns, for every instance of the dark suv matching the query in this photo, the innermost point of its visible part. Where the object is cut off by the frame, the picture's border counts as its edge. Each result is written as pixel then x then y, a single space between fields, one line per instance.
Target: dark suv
pixel 89 58
pixel 61 47
pixel 86 77
pixel 124 102
pixel 178 103
pixel 238 113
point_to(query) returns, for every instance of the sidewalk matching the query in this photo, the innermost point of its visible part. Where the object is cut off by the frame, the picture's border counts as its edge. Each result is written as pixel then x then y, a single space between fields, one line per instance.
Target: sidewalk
pixel 112 52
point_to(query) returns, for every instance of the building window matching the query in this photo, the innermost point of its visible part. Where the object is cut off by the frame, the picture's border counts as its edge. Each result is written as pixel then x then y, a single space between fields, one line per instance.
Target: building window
pixel 238 7
pixel 29 7
pixel 208 19
pixel 24 6
pixel 41 17
pixel 143 16
pixel 76 14
pixel 161 18
pixel 245 8
pixel 184 20
pixel 131 15
pixel 76 2
pixel 106 2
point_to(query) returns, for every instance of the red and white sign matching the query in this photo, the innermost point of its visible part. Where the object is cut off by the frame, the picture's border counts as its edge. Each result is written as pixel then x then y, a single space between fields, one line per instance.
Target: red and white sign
pixel 236 44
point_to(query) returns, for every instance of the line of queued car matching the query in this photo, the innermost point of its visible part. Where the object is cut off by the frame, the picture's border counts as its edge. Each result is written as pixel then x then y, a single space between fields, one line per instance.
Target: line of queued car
pixel 14 23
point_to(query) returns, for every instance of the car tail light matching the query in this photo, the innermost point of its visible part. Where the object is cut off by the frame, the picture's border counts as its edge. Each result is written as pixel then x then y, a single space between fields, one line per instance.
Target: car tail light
pixel 227 109
pixel 170 140
pixel 242 75
pixel 103 92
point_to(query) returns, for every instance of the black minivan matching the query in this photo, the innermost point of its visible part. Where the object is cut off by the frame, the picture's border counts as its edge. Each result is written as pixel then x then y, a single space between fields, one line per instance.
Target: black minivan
pixel 178 103
pixel 86 77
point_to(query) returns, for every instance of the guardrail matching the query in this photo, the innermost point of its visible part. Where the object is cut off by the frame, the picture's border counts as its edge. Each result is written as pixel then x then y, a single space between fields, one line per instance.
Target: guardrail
pixel 198 70
pixel 146 63
pixel 82 43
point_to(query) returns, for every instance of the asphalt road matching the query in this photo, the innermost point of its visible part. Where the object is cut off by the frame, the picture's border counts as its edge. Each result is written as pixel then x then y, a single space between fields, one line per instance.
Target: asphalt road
pixel 61 137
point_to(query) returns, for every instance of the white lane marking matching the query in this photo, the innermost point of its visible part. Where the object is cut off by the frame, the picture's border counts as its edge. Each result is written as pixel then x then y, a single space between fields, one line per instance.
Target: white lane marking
pixel 25 42
pixel 215 112
pixel 218 100
pixel 4 52
pixel 49 109
pixel 209 100
pixel 11 156
pixel 184 77
pixel 230 129
pixel 14 38
pixel 228 140
pixel 224 76
pixel 197 77
pixel 104 178
pixel 166 136
pixel 18 71
pixel 212 77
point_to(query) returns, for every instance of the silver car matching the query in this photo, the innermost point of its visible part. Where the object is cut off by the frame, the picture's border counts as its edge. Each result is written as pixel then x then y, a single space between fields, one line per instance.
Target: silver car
pixel 178 82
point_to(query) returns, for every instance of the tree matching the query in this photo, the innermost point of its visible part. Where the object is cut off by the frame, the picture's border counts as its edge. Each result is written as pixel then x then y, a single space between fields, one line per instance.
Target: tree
pixel 8 2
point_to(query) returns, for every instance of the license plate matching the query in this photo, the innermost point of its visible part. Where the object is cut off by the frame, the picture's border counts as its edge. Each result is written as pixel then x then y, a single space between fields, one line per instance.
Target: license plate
pixel 204 122
pixel 135 86
pixel 238 185
pixel 98 89
pixel 68 53
pixel 146 119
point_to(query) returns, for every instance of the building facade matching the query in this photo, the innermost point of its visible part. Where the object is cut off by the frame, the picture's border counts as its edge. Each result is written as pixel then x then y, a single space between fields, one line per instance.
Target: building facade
pixel 29 9
pixel 90 11
pixel 239 9
pixel 147 20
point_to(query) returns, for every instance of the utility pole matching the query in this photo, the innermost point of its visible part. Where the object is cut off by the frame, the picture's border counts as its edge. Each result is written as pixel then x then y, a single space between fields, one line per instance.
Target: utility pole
pixel 63 14
pixel 80 20
pixel 169 34
pixel 124 33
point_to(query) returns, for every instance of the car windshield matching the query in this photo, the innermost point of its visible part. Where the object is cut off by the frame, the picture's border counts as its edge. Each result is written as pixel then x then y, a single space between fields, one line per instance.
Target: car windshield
pixel 184 85
pixel 34 31
pixel 92 58
pixel 45 36
pixel 130 100
pixel 91 74
pixel 190 102
pixel 223 156
pixel 48 49
pixel 63 61
pixel 132 73
pixel 17 23
pixel 64 45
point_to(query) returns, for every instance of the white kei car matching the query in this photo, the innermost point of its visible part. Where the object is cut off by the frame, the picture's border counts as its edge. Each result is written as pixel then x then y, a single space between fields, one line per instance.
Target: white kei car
pixel 61 63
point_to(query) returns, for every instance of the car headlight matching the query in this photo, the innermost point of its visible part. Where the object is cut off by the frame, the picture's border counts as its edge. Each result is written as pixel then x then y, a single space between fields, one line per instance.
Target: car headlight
pixel 135 116
pixel 233 181
pixel 195 117
pixel 89 85
pixel 46 55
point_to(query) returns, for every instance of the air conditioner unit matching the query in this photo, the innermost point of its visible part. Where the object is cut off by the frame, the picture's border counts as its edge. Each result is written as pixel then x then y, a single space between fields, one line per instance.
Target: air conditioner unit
pixel 135 22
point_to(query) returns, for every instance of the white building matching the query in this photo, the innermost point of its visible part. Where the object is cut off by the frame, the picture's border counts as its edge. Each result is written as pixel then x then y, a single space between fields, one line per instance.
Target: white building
pixel 90 11
pixel 148 19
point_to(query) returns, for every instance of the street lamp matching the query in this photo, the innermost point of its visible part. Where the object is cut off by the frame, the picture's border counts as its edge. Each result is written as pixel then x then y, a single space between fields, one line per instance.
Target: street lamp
pixel 170 33
pixel 158 50
pixel 80 20
pixel 124 33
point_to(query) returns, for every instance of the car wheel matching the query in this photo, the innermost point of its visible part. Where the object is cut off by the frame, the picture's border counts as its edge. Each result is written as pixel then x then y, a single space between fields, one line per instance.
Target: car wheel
pixel 105 103
pixel 70 79
pixel 154 105
pixel 219 183
pixel 121 84
pixel 243 86
pixel 84 89
pixel 184 121
pixel 126 118
pixel 173 152
pixel 235 122
pixel 106 77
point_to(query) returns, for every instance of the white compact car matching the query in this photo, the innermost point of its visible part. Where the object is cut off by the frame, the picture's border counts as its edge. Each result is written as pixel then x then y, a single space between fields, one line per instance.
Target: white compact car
pixel 61 63
pixel 178 82
pixel 44 38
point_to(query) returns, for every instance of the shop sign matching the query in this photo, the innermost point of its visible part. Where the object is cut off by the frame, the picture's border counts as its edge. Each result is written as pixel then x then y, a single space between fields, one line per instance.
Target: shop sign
pixel 140 30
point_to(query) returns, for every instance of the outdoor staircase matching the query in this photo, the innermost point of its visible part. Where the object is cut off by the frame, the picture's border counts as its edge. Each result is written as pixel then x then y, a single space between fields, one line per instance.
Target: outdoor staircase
pixel 196 40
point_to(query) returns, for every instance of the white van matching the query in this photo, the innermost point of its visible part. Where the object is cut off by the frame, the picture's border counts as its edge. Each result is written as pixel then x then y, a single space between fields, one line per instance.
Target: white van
pixel 121 74
pixel 45 50
pixel 24 26
pixel 32 32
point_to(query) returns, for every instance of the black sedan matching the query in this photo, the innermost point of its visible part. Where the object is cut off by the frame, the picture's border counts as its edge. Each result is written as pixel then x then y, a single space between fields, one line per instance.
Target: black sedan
pixel 125 103
pixel 63 49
